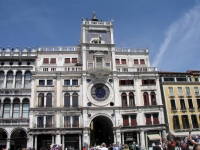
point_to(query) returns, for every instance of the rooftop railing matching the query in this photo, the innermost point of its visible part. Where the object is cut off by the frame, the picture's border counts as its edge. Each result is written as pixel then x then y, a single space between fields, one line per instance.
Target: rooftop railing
pixel 97 22
pixel 133 50
pixel 59 48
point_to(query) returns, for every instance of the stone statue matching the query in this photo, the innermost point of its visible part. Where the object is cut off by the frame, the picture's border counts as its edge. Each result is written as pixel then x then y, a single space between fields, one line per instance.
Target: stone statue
pixel 96 39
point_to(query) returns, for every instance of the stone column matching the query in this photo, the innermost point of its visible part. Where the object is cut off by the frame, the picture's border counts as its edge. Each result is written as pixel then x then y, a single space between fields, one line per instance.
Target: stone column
pixel 35 142
pixel 5 80
pixel 53 140
pixel 127 96
pixel 23 80
pixel 14 74
pixel 63 141
pixel 30 141
pixel 1 112
pixel 122 137
pixel 79 141
pixel 20 109
pixel 58 139
pixel 8 144
pixel 11 109
pixel 142 140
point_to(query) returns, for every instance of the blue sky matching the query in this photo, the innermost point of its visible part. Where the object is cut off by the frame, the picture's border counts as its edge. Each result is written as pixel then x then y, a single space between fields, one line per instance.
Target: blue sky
pixel 170 29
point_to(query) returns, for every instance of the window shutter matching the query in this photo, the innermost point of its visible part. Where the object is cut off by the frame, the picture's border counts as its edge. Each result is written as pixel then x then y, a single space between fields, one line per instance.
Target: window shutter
pixel 125 120
pixel 126 82
pixel 135 61
pixel 120 82
pixel 53 60
pixel 155 118
pixel 46 60
pixel 67 60
pixel 117 61
pixel 74 60
pixel 142 82
pixel 142 61
pixel 123 61
pixel 133 120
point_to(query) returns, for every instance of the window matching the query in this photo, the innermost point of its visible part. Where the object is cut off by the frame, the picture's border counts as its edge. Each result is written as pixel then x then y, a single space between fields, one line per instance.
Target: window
pixel 117 61
pixel 155 119
pixel 25 108
pixel 135 61
pixel 190 104
pixel 49 100
pixel 173 105
pixel 188 91
pixel 198 104
pixel 185 122
pixel 1 79
pixel 194 121
pixel 123 61
pixel 75 100
pixel 9 79
pixel 146 99
pixel 45 60
pixel 107 64
pixel 124 99
pixel 41 82
pixel 53 61
pixel 176 123
pixel 75 121
pixel 16 108
pixel 49 82
pixel 131 99
pixel 142 61
pixel 49 121
pixel 133 120
pixel 125 120
pixel 67 100
pixel 125 82
pixel 67 121
pixel 171 92
pixel 196 90
pixel 27 80
pixel 74 60
pixel 182 103
pixel 90 64
pixel 153 98
pixel 6 109
pixel 181 79
pixel 148 119
pixel 196 79
pixel 67 60
pixel 41 100
pixel 66 82
pixel 18 80
pixel 168 78
pixel 40 122
pixel 180 91
pixel 148 82
pixel 75 82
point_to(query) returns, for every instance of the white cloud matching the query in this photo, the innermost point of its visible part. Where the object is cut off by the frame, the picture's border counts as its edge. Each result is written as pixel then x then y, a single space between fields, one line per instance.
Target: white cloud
pixel 181 42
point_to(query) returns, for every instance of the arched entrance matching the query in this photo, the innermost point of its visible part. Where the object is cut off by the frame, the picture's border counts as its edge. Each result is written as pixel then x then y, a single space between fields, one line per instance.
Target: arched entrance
pixel 101 131
pixel 18 139
pixel 3 139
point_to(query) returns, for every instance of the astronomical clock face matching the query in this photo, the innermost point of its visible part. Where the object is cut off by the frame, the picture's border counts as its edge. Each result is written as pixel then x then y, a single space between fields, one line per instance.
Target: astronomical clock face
pixel 100 92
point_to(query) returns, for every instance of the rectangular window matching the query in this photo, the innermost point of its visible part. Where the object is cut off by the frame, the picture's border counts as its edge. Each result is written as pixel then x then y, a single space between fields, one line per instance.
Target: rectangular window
pixel 176 123
pixel 16 110
pixel 67 121
pixel 190 104
pixel 107 64
pixel 182 103
pixel 171 92
pixel 48 121
pixel 155 119
pixel 181 79
pixel 148 119
pixel 125 120
pixel 67 60
pixel 49 82
pixel 25 110
pixel 53 61
pixel 117 61
pixel 74 60
pixel 168 78
pixel 196 90
pixel 135 61
pixel 123 61
pixel 41 82
pixel 185 122
pixel 196 79
pixel 46 60
pixel 188 91
pixel 74 82
pixel 40 122
pixel 173 105
pixel 133 120
pixel 66 82
pixel 180 91
pixel 148 82
pixel 90 64
pixel 142 61
pixel 198 104
pixel 75 121
pixel 6 112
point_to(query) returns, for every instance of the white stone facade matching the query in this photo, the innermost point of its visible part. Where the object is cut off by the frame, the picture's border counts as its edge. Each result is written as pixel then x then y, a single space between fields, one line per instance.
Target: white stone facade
pixel 93 93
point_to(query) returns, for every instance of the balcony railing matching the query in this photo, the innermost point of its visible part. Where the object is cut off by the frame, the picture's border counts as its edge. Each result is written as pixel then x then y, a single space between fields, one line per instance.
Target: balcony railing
pixel 58 68
pixel 183 109
pixel 133 50
pixel 45 126
pixel 136 69
pixel 149 123
pixel 191 108
pixel 59 48
pixel 11 121
pixel 171 94
pixel 173 109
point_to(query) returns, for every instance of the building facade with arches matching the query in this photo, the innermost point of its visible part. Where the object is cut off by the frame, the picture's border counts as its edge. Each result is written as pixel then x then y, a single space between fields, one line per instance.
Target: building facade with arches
pixel 88 94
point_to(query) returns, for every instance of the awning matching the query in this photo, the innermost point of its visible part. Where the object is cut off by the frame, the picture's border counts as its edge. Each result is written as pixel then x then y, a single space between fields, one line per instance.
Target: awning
pixel 153 137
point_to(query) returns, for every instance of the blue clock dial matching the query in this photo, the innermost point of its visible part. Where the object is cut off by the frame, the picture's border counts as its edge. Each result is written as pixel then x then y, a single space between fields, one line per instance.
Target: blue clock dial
pixel 100 92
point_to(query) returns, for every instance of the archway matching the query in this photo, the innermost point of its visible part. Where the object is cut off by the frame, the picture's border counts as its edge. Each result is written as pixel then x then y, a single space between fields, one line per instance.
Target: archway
pixel 18 139
pixel 101 131
pixel 3 139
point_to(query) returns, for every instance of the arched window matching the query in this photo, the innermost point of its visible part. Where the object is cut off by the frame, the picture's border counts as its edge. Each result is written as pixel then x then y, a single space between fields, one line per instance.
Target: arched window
pixel 75 100
pixel 124 99
pixel 18 80
pixel 41 100
pixel 67 100
pixel 131 99
pixel 49 100
pixel 27 80
pixel 6 108
pixel 9 83
pixel 146 99
pixel 153 98
pixel 25 108
pixel 1 79
pixel 16 108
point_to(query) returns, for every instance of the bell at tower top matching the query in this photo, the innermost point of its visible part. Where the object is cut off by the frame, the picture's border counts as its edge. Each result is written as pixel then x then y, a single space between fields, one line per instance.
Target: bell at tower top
pixel 94 17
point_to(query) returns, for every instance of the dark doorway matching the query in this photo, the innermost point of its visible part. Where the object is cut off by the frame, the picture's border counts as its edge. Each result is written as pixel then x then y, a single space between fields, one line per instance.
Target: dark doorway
pixel 44 141
pixel 18 139
pixel 101 131
pixel 3 139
